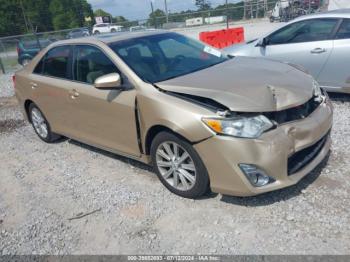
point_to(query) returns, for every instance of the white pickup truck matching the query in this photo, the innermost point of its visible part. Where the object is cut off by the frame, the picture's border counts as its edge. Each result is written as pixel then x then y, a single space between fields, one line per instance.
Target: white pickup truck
pixel 106 28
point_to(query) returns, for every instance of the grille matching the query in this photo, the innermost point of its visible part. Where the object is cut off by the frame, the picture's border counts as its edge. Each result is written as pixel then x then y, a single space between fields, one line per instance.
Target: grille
pixel 302 158
pixel 295 113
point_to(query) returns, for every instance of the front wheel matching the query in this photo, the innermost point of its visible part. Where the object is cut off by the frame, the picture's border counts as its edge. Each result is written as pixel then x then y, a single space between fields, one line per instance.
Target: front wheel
pixel 41 125
pixel 178 166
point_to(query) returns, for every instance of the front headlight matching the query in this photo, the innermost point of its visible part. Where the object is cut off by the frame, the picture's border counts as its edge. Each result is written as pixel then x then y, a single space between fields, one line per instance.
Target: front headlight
pixel 245 127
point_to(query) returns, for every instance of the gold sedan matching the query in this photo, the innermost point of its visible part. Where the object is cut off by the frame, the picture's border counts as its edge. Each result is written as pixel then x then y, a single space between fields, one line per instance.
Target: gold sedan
pixel 204 120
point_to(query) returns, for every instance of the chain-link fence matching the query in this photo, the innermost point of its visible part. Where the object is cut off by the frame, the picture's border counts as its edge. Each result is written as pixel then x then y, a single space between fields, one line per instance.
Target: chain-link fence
pixel 18 50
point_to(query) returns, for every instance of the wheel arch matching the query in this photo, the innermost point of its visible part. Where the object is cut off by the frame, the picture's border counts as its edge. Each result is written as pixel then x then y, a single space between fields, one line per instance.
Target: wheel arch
pixel 26 105
pixel 155 130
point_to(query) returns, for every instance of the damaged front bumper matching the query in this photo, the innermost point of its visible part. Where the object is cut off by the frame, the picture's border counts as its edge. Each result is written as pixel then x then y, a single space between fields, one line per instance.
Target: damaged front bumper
pixel 286 154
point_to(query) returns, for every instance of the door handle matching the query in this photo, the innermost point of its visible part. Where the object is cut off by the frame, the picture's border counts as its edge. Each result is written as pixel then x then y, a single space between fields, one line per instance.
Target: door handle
pixel 318 50
pixel 33 85
pixel 73 94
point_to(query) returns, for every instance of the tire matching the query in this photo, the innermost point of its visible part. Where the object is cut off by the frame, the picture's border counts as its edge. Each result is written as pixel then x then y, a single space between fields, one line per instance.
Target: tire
pixel 272 19
pixel 113 30
pixel 192 181
pixel 43 130
pixel 96 32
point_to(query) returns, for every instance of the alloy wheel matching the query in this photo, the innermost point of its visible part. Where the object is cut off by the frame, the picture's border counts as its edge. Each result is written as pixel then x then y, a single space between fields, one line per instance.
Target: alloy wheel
pixel 39 123
pixel 176 166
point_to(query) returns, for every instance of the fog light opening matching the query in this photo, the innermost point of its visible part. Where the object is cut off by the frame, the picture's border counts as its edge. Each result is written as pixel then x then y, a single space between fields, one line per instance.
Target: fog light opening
pixel 256 177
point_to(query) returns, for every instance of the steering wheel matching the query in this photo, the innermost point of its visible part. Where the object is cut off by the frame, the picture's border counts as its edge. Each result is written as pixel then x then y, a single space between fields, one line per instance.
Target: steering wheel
pixel 176 60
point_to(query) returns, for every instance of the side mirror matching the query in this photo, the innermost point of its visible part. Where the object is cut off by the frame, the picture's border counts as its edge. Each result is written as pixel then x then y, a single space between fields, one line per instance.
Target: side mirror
pixel 262 42
pixel 109 81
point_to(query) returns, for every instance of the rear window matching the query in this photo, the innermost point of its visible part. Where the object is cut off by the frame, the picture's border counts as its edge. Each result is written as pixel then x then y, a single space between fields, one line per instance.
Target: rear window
pixel 344 30
pixel 54 63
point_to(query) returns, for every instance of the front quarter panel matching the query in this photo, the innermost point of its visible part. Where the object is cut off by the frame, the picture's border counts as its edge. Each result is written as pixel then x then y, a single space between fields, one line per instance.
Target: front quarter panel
pixel 157 108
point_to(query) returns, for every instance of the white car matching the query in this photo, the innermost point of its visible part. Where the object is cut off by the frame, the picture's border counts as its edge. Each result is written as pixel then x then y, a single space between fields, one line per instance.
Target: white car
pixel 137 28
pixel 319 43
pixel 106 28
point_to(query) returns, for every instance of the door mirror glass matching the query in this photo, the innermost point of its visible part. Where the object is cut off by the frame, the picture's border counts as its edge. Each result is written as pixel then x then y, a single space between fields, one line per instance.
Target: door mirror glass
pixel 109 81
pixel 262 42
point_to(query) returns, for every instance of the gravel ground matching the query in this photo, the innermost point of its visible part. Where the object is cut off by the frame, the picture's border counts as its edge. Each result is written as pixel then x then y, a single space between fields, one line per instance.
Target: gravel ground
pixel 44 185
pixel 6 88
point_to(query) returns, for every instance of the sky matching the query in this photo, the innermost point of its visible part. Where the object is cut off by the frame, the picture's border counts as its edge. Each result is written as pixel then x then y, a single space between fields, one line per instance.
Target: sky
pixel 140 9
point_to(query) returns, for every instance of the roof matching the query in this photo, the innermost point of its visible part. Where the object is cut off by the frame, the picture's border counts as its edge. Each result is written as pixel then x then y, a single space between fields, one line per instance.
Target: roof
pixel 110 38
pixel 339 13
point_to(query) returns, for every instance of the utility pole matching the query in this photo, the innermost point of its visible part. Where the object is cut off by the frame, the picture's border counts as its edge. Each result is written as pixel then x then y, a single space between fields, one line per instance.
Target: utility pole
pixel 309 6
pixel 24 15
pixel 166 11
pixel 226 14
pixel 154 18
pixel 2 67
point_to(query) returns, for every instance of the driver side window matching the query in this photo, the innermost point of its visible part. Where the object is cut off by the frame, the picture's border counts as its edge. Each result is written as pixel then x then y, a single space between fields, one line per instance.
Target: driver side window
pixel 303 31
pixel 91 63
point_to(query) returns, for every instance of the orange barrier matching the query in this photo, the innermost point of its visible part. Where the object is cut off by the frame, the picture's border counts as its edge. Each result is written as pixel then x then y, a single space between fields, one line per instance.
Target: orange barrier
pixel 223 38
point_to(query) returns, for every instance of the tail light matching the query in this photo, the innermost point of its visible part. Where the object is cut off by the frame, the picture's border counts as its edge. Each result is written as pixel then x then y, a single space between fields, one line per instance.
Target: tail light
pixel 14 81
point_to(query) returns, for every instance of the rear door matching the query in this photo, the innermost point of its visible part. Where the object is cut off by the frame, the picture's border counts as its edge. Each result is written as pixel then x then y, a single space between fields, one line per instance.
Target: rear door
pixel 336 73
pixel 50 83
pixel 308 43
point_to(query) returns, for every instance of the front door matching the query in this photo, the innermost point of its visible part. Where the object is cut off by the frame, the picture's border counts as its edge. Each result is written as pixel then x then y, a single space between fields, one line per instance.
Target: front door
pixel 307 43
pixel 102 117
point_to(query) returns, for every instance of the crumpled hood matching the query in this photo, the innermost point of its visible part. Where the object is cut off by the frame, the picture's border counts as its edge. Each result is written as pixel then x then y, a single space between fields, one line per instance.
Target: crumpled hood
pixel 247 85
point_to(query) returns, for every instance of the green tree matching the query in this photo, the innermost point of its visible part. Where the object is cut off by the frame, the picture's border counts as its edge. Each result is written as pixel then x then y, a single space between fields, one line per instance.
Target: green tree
pixel 61 15
pixel 37 15
pixel 100 12
pixel 232 11
pixel 69 13
pixel 157 18
pixel 83 10
pixel 11 19
pixel 203 5
pixel 42 15
pixel 121 20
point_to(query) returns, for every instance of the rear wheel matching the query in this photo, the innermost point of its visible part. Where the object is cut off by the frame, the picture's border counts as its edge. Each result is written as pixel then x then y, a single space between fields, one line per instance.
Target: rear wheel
pixel 41 125
pixel 178 166
pixel 96 32
pixel 113 30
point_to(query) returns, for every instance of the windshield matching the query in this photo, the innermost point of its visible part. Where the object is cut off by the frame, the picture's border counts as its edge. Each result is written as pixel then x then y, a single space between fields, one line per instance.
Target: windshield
pixel 160 57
